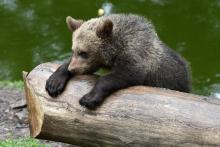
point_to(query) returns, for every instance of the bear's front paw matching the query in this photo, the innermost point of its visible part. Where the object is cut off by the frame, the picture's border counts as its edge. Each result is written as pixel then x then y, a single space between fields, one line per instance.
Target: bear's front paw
pixel 90 101
pixel 55 85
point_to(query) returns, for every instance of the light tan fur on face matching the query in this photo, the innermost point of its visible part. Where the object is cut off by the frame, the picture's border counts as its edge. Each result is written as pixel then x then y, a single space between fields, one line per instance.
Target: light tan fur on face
pixel 85 40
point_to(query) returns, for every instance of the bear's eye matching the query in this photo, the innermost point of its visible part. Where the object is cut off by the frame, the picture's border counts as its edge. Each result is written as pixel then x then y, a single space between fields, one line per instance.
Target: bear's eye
pixel 83 54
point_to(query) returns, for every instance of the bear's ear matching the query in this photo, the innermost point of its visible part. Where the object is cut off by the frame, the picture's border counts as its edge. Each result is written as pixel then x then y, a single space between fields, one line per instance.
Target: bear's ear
pixel 104 30
pixel 73 24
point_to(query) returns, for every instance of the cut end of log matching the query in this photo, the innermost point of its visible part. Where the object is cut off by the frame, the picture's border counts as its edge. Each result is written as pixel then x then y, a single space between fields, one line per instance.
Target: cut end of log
pixel 35 110
pixel 24 74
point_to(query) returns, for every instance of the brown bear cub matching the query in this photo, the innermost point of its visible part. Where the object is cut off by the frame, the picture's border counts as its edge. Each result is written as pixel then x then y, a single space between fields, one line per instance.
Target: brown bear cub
pixel 130 47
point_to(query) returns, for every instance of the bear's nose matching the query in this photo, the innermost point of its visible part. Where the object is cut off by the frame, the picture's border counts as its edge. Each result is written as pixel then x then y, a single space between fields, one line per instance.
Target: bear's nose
pixel 72 64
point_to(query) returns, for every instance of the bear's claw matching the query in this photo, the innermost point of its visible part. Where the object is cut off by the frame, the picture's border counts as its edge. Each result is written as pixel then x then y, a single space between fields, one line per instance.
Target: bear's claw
pixel 55 85
pixel 90 101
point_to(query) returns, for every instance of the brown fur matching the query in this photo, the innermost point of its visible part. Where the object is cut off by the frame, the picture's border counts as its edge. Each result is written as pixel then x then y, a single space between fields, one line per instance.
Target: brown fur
pixel 129 45
pixel 85 40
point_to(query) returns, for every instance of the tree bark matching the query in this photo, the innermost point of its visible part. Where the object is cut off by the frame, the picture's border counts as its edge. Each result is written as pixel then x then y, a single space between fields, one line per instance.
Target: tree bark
pixel 136 116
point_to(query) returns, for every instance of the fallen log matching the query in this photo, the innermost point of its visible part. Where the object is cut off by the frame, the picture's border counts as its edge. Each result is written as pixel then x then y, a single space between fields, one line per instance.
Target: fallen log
pixel 136 116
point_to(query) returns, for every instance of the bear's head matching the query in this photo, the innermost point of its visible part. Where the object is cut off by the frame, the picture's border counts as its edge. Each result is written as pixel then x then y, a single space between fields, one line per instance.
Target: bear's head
pixel 88 40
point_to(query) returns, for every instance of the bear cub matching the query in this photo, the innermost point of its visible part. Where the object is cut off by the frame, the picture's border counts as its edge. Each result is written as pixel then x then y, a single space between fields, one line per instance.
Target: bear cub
pixel 129 46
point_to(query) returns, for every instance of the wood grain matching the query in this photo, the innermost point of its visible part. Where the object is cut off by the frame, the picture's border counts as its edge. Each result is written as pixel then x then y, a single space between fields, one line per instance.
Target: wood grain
pixel 136 116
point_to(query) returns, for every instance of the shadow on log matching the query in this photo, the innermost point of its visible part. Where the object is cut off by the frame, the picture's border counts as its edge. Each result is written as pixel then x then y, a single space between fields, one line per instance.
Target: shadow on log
pixel 136 116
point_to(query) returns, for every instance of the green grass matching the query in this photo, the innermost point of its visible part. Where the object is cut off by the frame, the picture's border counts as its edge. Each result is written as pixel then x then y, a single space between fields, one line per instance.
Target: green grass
pixel 18 85
pixel 22 142
pixel 102 71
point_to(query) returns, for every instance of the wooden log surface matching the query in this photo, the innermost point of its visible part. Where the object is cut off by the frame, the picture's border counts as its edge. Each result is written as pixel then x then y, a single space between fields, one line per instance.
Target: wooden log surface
pixel 136 116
